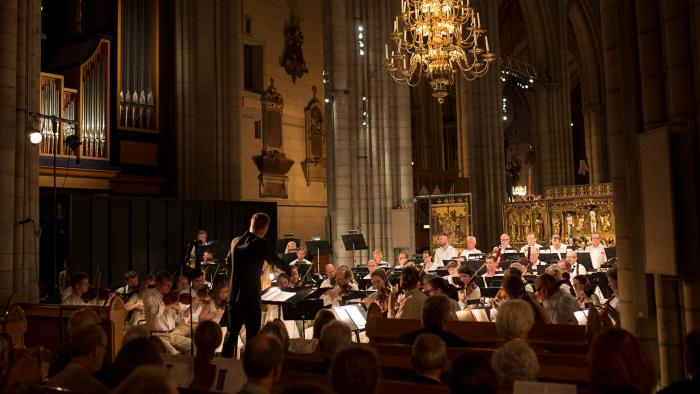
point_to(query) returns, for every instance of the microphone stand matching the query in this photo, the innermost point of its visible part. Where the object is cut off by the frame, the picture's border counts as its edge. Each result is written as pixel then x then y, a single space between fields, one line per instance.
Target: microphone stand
pixel 191 321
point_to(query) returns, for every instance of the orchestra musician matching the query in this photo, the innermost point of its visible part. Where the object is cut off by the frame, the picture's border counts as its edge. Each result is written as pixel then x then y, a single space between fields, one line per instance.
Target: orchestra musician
pixel 301 258
pixel 428 263
pixel 534 263
pixel 381 296
pixel 131 279
pixel 531 243
pixel 472 291
pixel 194 251
pixel 295 277
pixel 330 277
pixel 79 285
pixel 403 259
pixel 249 252
pixel 445 251
pixel 406 300
pixel 471 247
pixel 282 280
pixel 587 294
pixel 160 317
pixel 491 270
pixel 505 242
pixel 576 268
pixel 134 305
pixel 344 283
pixel 371 266
pixel 217 307
pixel 597 251
pixel 556 246
pixel 379 258
pixel 452 270
pixel 439 286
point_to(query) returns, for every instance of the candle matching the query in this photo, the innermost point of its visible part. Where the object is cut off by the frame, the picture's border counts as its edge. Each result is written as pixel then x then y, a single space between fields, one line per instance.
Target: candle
pixel 396 24
pixel 487 43
pixel 386 51
pixel 478 20
pixel 404 35
pixel 403 6
pixel 404 63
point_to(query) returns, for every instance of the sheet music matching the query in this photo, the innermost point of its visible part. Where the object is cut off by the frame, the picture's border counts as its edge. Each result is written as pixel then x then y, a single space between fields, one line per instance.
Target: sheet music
pixel 275 294
pixel 351 315
pixel 357 317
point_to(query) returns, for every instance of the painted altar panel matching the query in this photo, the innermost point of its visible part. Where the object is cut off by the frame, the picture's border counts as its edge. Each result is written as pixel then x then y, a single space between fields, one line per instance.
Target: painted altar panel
pixel 452 217
pixel 573 212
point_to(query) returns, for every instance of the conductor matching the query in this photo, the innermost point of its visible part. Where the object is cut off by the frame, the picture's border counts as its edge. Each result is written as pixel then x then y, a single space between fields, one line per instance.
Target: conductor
pixel 249 252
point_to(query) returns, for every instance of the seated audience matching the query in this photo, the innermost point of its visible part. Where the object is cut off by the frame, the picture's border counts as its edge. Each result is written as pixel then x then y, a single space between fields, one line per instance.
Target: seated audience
pixel 355 370
pixel 262 363
pixel 61 357
pixel 559 305
pixel 87 345
pixel 277 329
pixel 437 311
pixel 207 337
pixel 133 354
pixel 335 337
pixel 147 379
pixel 619 363
pixel 514 320
pixel 515 360
pixel 692 362
pixel 472 373
pixel 323 317
pixel 411 304
pixel 428 356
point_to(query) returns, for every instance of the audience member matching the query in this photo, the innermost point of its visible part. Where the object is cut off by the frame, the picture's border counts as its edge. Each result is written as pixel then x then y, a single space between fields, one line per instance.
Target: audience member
pixel 207 337
pixel 355 370
pixel 437 311
pixel 133 354
pixel 323 317
pixel 80 284
pixel 514 320
pixel 558 304
pixel 515 360
pixel 262 363
pixel 136 332
pixel 61 357
pixel 277 329
pixel 692 362
pixel 147 379
pixel 619 364
pixel 428 356
pixel 335 337
pixel 472 373
pixel 87 346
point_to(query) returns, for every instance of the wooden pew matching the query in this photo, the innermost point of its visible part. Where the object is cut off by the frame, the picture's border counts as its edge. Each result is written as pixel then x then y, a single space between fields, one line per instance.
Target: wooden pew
pixel 387 386
pixel 46 324
pixel 13 322
pixel 559 338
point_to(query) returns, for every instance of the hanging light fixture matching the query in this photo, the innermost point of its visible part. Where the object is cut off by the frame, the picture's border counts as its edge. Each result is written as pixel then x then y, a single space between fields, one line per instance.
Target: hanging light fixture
pixel 439 38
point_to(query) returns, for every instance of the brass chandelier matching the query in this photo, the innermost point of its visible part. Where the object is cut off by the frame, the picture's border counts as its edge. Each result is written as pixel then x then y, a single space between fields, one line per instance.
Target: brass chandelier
pixel 439 38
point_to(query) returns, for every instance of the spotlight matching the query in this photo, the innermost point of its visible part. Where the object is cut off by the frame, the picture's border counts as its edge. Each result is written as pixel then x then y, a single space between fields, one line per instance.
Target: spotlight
pixel 35 137
pixel 271 276
pixel 327 100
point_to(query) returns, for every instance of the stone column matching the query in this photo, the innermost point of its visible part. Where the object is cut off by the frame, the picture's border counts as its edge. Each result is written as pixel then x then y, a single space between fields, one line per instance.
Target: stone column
pixel 20 23
pixel 208 66
pixel 594 122
pixel 370 166
pixel 480 128
pixel 623 124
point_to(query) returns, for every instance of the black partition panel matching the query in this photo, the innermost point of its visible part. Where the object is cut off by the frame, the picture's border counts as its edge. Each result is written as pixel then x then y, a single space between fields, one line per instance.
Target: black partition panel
pixel 115 234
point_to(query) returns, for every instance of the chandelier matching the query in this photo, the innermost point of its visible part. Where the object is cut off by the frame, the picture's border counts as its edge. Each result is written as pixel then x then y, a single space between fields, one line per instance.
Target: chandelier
pixel 439 38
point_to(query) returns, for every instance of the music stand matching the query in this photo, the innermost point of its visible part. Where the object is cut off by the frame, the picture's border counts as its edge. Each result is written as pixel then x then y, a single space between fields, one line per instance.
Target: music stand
pixel 354 242
pixel 318 248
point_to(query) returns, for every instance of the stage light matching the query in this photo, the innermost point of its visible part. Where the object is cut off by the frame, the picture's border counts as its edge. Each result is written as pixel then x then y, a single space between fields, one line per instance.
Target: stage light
pixel 271 276
pixel 35 137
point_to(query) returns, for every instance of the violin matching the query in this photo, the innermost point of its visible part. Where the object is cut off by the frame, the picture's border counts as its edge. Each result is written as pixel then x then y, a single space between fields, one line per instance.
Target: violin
pixel 175 296
pixel 96 293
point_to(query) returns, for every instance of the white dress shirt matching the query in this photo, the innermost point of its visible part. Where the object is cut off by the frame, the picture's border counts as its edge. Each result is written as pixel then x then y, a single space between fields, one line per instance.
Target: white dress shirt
pixel 577 269
pixel 326 284
pixel 73 299
pixel 561 249
pixel 597 255
pixel 444 254
pixel 524 248
pixel 296 261
pixel 467 252
pixel 158 316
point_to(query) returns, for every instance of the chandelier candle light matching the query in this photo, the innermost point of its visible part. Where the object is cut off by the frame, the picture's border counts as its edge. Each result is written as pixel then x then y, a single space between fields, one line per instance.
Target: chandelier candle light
pixel 439 38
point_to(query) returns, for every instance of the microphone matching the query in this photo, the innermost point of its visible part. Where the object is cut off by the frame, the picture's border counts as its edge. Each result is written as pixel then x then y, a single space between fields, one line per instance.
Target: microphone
pixel 26 220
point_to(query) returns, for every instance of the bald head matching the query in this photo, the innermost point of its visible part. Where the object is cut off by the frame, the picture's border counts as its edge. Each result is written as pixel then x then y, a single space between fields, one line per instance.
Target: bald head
pixel 330 271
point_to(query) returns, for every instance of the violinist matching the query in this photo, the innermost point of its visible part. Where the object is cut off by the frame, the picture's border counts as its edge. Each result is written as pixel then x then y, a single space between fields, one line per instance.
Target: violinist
pixel 471 290
pixel 403 259
pixel 428 263
pixel 381 296
pixel 131 279
pixel 378 256
pixel 330 277
pixel 371 266
pixel 134 305
pixel 199 296
pixel 218 305
pixel 80 284
pixel 344 283
pixel 439 286
pixel 282 280
pixel 160 317
pixel 408 304
pixel 491 269
pixel 452 270
pixel 295 277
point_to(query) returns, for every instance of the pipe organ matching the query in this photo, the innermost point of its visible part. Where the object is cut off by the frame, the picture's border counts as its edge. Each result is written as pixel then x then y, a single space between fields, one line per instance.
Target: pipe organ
pixel 94 102
pixel 137 64
pixel 88 105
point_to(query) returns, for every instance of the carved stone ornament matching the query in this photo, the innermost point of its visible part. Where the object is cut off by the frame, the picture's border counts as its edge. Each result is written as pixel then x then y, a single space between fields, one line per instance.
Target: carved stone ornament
pixel 272 162
pixel 314 165
pixel 292 58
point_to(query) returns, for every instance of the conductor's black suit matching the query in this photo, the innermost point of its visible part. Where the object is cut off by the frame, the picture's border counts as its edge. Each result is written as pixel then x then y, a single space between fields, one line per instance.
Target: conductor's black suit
pixel 249 253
